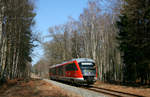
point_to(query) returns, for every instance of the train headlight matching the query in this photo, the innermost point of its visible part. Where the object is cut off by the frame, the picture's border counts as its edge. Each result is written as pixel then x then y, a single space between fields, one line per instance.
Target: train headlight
pixel 95 78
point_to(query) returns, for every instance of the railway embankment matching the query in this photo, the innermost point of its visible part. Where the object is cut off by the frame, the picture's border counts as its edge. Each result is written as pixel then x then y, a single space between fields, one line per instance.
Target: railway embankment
pixel 37 87
pixel 131 91
pixel 78 90
pixel 33 88
pixel 100 89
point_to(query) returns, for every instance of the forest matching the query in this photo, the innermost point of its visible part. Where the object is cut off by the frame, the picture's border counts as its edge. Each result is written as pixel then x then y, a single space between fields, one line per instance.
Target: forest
pixel 16 38
pixel 115 33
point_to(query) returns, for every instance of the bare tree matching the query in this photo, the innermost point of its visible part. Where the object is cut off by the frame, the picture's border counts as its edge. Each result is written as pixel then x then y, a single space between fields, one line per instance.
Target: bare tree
pixel 16 37
pixel 93 36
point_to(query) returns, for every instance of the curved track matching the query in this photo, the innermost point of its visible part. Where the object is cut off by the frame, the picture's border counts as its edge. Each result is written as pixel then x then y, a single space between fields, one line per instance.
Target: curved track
pixel 109 92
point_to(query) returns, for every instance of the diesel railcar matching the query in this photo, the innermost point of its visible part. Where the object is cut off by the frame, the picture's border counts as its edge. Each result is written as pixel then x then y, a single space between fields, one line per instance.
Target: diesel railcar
pixel 80 71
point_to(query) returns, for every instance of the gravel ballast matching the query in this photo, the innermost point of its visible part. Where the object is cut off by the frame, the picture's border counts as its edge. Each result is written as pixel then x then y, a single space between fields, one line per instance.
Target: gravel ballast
pixel 79 91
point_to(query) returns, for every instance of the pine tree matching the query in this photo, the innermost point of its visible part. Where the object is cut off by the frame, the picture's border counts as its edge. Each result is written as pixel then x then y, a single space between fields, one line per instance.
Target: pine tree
pixel 16 38
pixel 134 39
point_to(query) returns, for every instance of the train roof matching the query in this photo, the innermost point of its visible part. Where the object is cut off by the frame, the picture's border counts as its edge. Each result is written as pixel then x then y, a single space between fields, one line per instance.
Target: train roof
pixel 78 60
pixel 83 60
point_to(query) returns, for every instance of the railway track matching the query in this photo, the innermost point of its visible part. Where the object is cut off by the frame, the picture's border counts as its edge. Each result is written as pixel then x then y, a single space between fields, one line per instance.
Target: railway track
pixel 109 92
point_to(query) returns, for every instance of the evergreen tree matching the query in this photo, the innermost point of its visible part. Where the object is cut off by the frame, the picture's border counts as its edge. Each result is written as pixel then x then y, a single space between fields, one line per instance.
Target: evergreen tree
pixel 134 39
pixel 16 38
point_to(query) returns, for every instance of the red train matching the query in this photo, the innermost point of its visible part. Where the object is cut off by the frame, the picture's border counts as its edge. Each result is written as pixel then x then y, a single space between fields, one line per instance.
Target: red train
pixel 81 71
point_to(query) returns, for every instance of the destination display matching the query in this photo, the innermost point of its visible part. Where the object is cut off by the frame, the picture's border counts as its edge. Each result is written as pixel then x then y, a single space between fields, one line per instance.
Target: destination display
pixel 86 63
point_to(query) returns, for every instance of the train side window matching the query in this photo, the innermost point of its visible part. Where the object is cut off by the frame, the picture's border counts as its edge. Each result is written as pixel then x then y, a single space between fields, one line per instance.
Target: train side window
pixel 60 70
pixel 54 71
pixel 71 67
pixel 51 71
pixel 67 67
pixel 74 67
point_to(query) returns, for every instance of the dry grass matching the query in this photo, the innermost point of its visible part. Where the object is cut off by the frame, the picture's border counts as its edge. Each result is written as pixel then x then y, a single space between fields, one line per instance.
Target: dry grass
pixel 32 88
pixel 143 91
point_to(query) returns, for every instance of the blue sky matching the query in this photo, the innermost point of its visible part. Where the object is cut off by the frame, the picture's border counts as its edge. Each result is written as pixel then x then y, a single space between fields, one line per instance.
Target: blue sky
pixel 54 12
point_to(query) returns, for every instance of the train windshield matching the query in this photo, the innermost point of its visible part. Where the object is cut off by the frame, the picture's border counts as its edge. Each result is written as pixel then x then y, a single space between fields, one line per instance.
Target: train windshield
pixel 88 68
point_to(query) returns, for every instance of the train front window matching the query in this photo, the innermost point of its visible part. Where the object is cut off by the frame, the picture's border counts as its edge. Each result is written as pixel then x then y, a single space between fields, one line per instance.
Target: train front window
pixel 87 68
